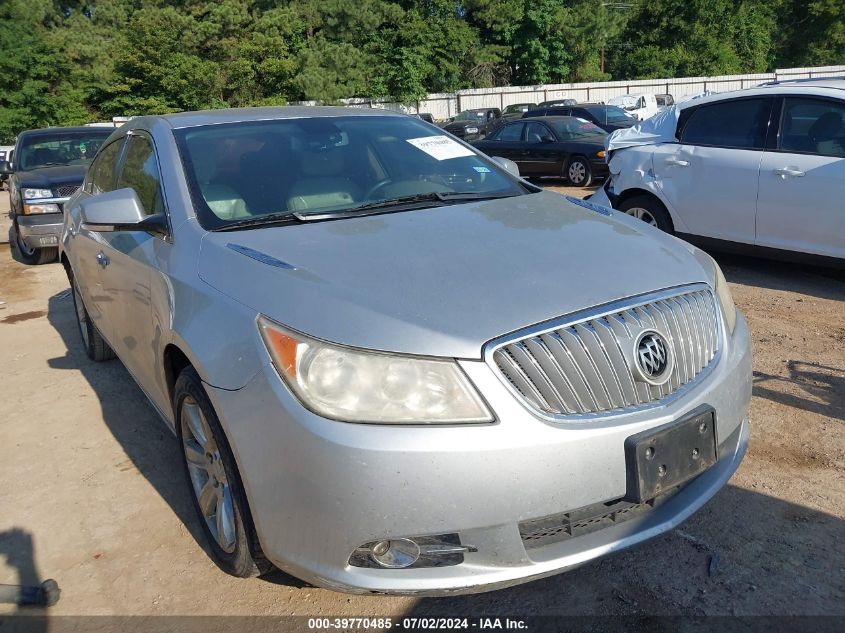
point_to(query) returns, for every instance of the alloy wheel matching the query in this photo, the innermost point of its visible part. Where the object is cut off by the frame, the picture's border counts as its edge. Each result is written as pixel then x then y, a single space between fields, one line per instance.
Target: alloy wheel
pixel 577 172
pixel 642 214
pixel 208 475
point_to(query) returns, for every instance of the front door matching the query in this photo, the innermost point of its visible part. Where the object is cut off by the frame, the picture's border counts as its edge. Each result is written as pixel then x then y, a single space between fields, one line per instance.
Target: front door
pixel 543 157
pixel 132 263
pixel 801 204
pixel 710 177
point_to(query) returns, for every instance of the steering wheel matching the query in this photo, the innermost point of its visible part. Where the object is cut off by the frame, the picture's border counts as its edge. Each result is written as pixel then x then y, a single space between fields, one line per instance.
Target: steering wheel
pixel 381 184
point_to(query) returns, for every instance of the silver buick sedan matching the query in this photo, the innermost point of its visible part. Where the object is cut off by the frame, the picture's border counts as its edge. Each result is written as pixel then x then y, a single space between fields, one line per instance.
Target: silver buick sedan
pixel 393 365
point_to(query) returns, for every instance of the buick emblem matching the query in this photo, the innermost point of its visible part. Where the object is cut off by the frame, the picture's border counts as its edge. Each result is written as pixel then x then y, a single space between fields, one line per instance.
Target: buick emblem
pixel 653 357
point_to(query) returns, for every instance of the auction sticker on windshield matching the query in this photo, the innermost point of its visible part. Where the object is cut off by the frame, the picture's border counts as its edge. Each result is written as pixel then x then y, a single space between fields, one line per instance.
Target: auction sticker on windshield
pixel 440 147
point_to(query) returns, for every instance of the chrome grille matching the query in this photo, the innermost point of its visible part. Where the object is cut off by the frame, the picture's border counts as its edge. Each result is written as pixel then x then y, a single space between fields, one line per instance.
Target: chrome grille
pixel 588 364
pixel 66 191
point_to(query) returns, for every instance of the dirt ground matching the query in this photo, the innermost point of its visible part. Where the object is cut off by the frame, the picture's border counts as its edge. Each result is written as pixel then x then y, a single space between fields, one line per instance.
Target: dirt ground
pixel 93 494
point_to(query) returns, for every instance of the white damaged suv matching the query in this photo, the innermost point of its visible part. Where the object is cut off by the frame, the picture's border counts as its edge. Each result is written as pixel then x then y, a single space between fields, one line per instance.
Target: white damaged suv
pixel 761 168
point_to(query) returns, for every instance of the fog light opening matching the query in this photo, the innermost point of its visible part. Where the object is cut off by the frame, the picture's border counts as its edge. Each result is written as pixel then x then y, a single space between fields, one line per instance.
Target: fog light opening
pixel 395 554
pixel 440 550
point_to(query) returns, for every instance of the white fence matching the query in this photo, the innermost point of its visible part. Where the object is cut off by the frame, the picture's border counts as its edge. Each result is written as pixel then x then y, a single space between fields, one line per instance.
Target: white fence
pixel 445 105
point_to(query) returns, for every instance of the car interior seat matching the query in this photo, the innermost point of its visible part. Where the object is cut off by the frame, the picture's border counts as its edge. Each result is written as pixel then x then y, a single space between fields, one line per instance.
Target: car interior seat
pixel 323 182
pixel 223 200
pixel 824 134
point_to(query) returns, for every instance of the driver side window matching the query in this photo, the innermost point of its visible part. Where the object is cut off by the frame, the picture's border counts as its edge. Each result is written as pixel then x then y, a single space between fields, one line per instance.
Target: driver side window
pixel 101 172
pixel 140 172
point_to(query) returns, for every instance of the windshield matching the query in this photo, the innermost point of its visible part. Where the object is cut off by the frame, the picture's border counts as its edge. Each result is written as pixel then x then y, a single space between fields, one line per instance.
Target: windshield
pixel 611 114
pixel 519 107
pixel 576 128
pixel 470 116
pixel 61 148
pixel 312 166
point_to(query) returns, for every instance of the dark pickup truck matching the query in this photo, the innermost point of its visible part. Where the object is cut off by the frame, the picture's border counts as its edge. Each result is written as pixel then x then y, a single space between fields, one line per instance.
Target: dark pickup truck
pixel 48 166
pixel 471 125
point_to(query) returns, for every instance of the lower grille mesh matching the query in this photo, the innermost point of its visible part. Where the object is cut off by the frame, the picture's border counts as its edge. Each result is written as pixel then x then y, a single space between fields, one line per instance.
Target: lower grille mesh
pixel 568 525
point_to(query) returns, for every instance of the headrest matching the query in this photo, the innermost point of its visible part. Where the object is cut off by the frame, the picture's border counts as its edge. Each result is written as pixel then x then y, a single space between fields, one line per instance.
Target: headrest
pixel 322 163
pixel 827 126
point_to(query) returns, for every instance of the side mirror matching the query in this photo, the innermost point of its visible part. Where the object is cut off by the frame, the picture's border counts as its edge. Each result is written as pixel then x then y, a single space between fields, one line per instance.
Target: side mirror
pixel 119 210
pixel 547 138
pixel 508 165
pixel 5 167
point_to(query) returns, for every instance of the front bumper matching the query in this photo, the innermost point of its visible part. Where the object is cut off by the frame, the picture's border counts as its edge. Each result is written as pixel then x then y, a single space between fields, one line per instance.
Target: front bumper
pixel 318 489
pixel 41 230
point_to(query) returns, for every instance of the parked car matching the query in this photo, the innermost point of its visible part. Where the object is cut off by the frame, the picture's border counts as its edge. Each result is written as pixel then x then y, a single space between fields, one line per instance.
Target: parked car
pixel 609 118
pixel 516 110
pixel 640 106
pixel 557 102
pixel 762 168
pixel 551 146
pixel 438 377
pixel 470 125
pixel 48 167
pixel 664 101
pixel 425 116
pixel 6 152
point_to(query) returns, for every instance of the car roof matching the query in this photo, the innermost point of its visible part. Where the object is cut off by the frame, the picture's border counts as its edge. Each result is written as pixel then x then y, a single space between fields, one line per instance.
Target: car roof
pixel 266 113
pixel 550 119
pixel 49 131
pixel 819 87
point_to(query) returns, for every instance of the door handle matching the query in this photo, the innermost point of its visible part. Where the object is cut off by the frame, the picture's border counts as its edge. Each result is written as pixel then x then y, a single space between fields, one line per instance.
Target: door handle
pixel 677 162
pixel 783 172
pixel 103 259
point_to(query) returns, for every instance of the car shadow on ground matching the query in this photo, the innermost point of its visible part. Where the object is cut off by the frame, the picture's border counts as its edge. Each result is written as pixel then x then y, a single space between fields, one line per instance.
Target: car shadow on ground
pixel 816 281
pixel 809 386
pixel 143 436
pixel 744 553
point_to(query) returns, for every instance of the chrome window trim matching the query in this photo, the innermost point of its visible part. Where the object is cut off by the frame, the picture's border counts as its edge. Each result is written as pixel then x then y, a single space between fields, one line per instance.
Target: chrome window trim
pixel 597 312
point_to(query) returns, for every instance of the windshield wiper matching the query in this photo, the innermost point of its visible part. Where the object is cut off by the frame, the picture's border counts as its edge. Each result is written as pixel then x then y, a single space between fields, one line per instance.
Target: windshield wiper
pixel 261 220
pixel 400 203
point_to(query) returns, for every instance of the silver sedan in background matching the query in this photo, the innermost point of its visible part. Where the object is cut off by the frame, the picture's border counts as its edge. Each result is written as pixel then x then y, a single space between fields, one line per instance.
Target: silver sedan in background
pixel 393 365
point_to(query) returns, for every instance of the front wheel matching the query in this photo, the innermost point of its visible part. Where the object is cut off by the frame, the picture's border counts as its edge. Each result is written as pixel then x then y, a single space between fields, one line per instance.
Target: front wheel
pixel 650 210
pixel 33 256
pixel 214 482
pixel 578 172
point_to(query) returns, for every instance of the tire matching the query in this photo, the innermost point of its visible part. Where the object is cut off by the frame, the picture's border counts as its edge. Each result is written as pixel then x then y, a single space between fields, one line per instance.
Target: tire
pixel 34 256
pixel 95 345
pixel 211 472
pixel 650 210
pixel 578 172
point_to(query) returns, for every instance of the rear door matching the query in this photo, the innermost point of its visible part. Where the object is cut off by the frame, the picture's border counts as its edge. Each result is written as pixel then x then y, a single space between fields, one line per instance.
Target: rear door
pixel 801 203
pixel 86 248
pixel 709 178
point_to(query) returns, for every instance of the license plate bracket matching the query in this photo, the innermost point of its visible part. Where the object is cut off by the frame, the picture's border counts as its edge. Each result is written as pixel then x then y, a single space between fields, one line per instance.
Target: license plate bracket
pixel 660 459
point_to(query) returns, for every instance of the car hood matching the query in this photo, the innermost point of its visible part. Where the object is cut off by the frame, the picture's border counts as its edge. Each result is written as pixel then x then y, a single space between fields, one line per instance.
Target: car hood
pixel 460 125
pixel 444 281
pixel 48 177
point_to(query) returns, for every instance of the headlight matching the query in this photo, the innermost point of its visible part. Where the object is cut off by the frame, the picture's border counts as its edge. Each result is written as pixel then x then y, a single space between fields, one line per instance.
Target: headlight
pixel 725 298
pixel 354 385
pixel 471 130
pixel 32 209
pixel 37 193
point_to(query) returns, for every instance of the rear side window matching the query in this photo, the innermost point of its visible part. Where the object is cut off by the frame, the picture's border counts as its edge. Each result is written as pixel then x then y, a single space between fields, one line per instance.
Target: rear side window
pixel 140 172
pixel 813 126
pixel 101 174
pixel 739 124
pixel 510 132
